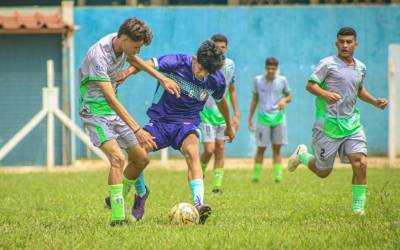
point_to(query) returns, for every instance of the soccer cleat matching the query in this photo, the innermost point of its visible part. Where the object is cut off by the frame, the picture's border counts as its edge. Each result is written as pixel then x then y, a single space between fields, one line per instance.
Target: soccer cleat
pixel 138 205
pixel 204 212
pixel 119 223
pixel 217 191
pixel 107 202
pixel 294 161
pixel 360 212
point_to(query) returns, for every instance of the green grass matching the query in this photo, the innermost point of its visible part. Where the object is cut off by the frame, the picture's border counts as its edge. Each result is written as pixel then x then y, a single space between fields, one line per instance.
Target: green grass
pixel 65 210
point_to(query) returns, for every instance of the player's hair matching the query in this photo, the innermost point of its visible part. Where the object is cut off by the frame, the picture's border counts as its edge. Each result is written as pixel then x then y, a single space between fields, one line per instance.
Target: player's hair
pixel 136 30
pixel 219 38
pixel 347 31
pixel 271 61
pixel 210 57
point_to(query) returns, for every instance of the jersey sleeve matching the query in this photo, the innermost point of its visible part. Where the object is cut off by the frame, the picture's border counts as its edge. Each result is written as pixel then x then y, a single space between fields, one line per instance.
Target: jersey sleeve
pixel 167 63
pixel 254 88
pixel 363 73
pixel 233 81
pixel 97 69
pixel 320 73
pixel 218 86
pixel 286 89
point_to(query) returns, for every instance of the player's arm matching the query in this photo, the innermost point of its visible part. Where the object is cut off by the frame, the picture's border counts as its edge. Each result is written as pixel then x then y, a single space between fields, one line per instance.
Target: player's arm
pixel 252 110
pixel 235 105
pixel 148 66
pixel 144 138
pixel 364 95
pixel 315 89
pixel 285 100
pixel 224 109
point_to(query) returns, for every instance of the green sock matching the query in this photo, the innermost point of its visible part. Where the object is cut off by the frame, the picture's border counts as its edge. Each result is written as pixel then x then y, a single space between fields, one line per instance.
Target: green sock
pixel 117 202
pixel 305 158
pixel 359 197
pixel 218 175
pixel 257 171
pixel 127 186
pixel 278 171
pixel 203 166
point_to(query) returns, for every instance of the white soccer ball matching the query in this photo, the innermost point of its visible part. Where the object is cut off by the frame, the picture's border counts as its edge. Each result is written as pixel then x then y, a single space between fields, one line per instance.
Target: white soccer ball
pixel 183 214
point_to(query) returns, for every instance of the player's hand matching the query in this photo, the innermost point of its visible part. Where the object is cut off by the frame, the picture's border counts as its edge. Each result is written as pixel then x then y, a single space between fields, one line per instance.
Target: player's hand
pixel 146 140
pixel 251 126
pixel 236 121
pixel 282 104
pixel 171 86
pixel 332 97
pixel 230 133
pixel 381 103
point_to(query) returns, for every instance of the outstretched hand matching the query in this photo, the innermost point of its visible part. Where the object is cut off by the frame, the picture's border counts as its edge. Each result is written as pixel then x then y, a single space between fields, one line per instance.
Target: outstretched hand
pixel 171 87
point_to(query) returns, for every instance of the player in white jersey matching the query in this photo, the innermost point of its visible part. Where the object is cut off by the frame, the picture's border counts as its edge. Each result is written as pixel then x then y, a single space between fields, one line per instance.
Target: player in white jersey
pixel 213 123
pixel 271 93
pixel 110 126
pixel 337 82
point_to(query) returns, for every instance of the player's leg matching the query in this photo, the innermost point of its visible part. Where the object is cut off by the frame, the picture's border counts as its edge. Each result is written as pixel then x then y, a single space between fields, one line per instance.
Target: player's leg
pixel 208 134
pixel 219 158
pixel 359 182
pixel 321 162
pixel 277 162
pixel 219 162
pixel 117 161
pixel 137 161
pixel 190 150
pixel 258 163
pixel 354 150
pixel 263 138
pixel 278 138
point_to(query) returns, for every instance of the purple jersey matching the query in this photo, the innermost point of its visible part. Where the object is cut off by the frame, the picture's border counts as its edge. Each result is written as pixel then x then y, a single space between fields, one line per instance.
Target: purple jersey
pixel 194 93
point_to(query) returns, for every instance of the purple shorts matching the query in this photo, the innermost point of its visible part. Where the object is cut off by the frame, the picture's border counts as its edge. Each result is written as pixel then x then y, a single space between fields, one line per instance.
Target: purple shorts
pixel 171 134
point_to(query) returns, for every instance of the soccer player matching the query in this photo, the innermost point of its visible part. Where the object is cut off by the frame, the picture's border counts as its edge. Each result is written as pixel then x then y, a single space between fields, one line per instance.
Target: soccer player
pixel 271 93
pixel 110 126
pixel 174 121
pixel 213 123
pixel 337 82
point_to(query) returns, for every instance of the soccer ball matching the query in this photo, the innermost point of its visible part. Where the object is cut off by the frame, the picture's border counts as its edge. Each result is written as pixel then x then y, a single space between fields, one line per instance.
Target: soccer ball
pixel 183 214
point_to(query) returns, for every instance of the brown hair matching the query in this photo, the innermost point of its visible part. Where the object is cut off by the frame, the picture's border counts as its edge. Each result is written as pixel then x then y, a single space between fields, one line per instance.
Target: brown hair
pixel 136 30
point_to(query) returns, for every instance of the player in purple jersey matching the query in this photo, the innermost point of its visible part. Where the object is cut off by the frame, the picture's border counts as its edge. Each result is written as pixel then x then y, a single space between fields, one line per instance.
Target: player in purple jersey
pixel 174 121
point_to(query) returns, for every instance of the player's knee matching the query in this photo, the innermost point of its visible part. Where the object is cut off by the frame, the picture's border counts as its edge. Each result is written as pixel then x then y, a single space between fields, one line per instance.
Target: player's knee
pixel 209 150
pixel 323 174
pixel 260 150
pixel 117 160
pixel 361 165
pixel 140 162
pixel 219 150
pixel 191 152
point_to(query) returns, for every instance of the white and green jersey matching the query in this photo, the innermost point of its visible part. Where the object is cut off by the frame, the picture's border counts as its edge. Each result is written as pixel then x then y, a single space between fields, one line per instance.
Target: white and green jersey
pixel 269 93
pixel 99 65
pixel 342 118
pixel 210 113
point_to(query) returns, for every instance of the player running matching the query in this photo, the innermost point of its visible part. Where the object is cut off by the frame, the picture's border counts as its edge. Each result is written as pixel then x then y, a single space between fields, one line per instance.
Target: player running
pixel 337 82
pixel 174 121
pixel 213 122
pixel 110 126
pixel 271 93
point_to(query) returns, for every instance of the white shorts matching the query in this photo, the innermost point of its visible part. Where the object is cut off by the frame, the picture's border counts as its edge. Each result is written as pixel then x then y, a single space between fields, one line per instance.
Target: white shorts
pixel 265 135
pixel 326 148
pixel 212 133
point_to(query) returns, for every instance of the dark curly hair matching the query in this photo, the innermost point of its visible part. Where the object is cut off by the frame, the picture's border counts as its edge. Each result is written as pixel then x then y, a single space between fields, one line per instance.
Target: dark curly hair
pixel 136 30
pixel 210 57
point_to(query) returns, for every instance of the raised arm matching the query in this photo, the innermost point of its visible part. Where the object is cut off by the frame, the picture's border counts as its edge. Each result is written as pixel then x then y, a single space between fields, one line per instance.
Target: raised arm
pixel 148 66
pixel 144 138
pixel 365 96
pixel 224 109
pixel 252 109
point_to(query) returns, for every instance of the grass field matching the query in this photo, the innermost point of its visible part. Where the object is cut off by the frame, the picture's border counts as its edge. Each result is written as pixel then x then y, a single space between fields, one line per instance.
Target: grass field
pixel 65 210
